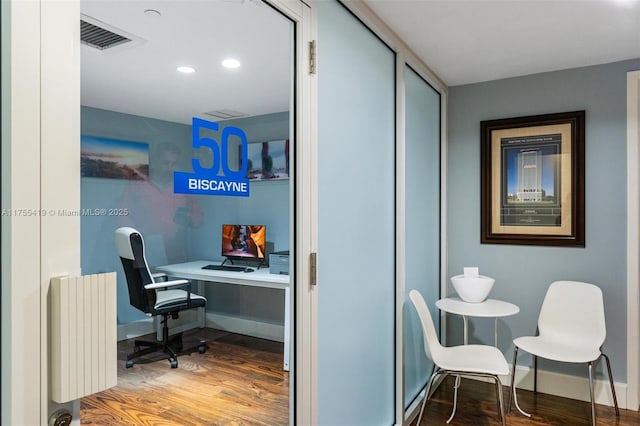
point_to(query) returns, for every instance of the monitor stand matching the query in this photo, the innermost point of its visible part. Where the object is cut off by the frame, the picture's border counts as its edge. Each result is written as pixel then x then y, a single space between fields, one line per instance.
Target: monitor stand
pixel 246 261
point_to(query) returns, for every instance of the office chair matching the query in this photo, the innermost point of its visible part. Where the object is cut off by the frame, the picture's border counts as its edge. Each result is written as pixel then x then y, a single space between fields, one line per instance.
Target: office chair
pixel 571 328
pixel 465 360
pixel 154 295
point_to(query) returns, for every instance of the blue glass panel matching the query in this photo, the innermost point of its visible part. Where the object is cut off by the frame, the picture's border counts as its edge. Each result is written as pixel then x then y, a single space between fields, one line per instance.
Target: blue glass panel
pixel 422 216
pixel 356 224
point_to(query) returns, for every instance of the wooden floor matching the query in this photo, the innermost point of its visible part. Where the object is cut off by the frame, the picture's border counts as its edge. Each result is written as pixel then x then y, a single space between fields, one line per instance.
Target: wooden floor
pixel 477 406
pixel 239 380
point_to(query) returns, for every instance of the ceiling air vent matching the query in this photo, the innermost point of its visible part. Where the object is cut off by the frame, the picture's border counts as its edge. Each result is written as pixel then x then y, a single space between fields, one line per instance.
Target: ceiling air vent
pixel 99 37
pixel 225 114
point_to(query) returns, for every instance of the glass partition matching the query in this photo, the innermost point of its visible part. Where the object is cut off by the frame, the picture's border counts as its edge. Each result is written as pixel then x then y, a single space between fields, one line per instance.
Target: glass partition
pixel 356 222
pixel 422 221
pixel 180 86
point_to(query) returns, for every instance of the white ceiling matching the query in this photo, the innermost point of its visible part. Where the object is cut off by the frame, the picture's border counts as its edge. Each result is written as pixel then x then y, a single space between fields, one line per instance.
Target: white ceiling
pixel 461 41
pixel 140 77
pixel 477 40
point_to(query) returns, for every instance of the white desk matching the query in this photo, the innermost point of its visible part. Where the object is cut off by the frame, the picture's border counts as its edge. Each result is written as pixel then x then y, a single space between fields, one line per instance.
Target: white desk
pixel 490 308
pixel 258 278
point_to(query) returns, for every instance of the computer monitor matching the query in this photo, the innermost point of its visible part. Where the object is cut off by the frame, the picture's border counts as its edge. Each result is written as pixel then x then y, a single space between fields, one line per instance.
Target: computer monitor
pixel 244 242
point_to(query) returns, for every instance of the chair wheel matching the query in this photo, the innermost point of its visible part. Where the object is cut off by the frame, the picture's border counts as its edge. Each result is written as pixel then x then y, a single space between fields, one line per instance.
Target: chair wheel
pixel 174 363
pixel 129 363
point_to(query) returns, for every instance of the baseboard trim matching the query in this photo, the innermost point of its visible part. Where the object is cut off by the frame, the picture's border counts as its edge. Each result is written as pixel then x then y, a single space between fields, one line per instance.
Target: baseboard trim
pixel 260 329
pixel 135 329
pixel 567 386
pixel 549 382
pixel 413 410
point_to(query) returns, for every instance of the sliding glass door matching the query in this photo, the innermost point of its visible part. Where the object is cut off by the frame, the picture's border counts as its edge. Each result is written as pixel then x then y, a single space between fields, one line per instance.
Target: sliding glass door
pixel 422 221
pixel 356 222
pixel 181 87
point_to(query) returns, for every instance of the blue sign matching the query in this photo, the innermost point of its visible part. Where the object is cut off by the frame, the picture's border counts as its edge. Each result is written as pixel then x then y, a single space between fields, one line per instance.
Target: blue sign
pixel 209 180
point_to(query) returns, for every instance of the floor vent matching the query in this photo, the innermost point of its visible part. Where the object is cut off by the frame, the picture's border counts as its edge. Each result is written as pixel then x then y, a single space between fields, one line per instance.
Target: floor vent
pixel 99 37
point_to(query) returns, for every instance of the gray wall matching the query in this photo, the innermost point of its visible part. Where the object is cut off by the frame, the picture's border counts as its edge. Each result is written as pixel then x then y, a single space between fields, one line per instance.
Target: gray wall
pixel 523 273
pixel 268 205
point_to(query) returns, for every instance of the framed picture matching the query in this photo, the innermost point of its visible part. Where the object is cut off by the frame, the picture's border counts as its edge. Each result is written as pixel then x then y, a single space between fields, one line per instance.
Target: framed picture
pixel 532 180
pixel 268 160
pixel 113 158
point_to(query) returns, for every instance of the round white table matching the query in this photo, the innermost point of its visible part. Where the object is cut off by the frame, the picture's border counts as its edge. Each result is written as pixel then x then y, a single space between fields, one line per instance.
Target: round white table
pixel 490 308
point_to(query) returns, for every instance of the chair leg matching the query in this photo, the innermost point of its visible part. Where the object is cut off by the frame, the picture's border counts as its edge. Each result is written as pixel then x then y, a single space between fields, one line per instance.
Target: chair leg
pixel 535 374
pixel 513 386
pixel 170 345
pixel 433 370
pixel 613 390
pixel 150 347
pixel 426 394
pixel 593 405
pixel 497 394
pixel 499 398
pixel 166 342
pixel 455 398
pixel 513 377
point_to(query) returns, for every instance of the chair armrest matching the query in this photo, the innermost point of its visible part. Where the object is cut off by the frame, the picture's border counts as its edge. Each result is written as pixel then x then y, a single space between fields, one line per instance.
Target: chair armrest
pixel 160 276
pixel 167 284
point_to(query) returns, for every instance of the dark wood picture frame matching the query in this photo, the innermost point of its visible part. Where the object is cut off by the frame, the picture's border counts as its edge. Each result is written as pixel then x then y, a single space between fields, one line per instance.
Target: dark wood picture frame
pixel 532 180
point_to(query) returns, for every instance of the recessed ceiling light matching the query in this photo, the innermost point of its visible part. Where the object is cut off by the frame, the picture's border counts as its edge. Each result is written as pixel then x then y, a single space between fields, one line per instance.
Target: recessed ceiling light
pixel 231 63
pixel 186 69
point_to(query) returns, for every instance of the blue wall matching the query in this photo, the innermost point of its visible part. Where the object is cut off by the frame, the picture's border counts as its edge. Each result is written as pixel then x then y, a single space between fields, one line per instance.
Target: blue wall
pixel 268 205
pixel 523 273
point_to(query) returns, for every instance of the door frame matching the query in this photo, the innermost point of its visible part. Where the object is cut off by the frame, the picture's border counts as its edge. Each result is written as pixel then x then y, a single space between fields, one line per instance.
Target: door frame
pixel 20 255
pixel 303 363
pixel 41 172
pixel 633 240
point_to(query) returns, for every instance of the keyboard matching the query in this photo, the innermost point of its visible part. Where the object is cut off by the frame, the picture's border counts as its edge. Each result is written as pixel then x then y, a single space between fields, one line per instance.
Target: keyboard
pixel 225 268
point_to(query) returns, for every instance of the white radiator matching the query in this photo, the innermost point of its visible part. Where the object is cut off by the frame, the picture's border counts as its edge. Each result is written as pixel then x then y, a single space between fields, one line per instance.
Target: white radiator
pixel 83 335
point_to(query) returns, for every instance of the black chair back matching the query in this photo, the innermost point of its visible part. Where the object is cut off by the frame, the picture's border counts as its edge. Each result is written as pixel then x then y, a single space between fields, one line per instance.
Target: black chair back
pixel 130 247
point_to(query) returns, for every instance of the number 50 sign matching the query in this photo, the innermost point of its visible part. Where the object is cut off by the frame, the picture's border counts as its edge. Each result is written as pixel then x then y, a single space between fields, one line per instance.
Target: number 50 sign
pixel 219 179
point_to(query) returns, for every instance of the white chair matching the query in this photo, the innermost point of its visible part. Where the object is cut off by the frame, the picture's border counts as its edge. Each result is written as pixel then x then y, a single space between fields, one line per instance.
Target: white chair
pixel 467 360
pixel 571 328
